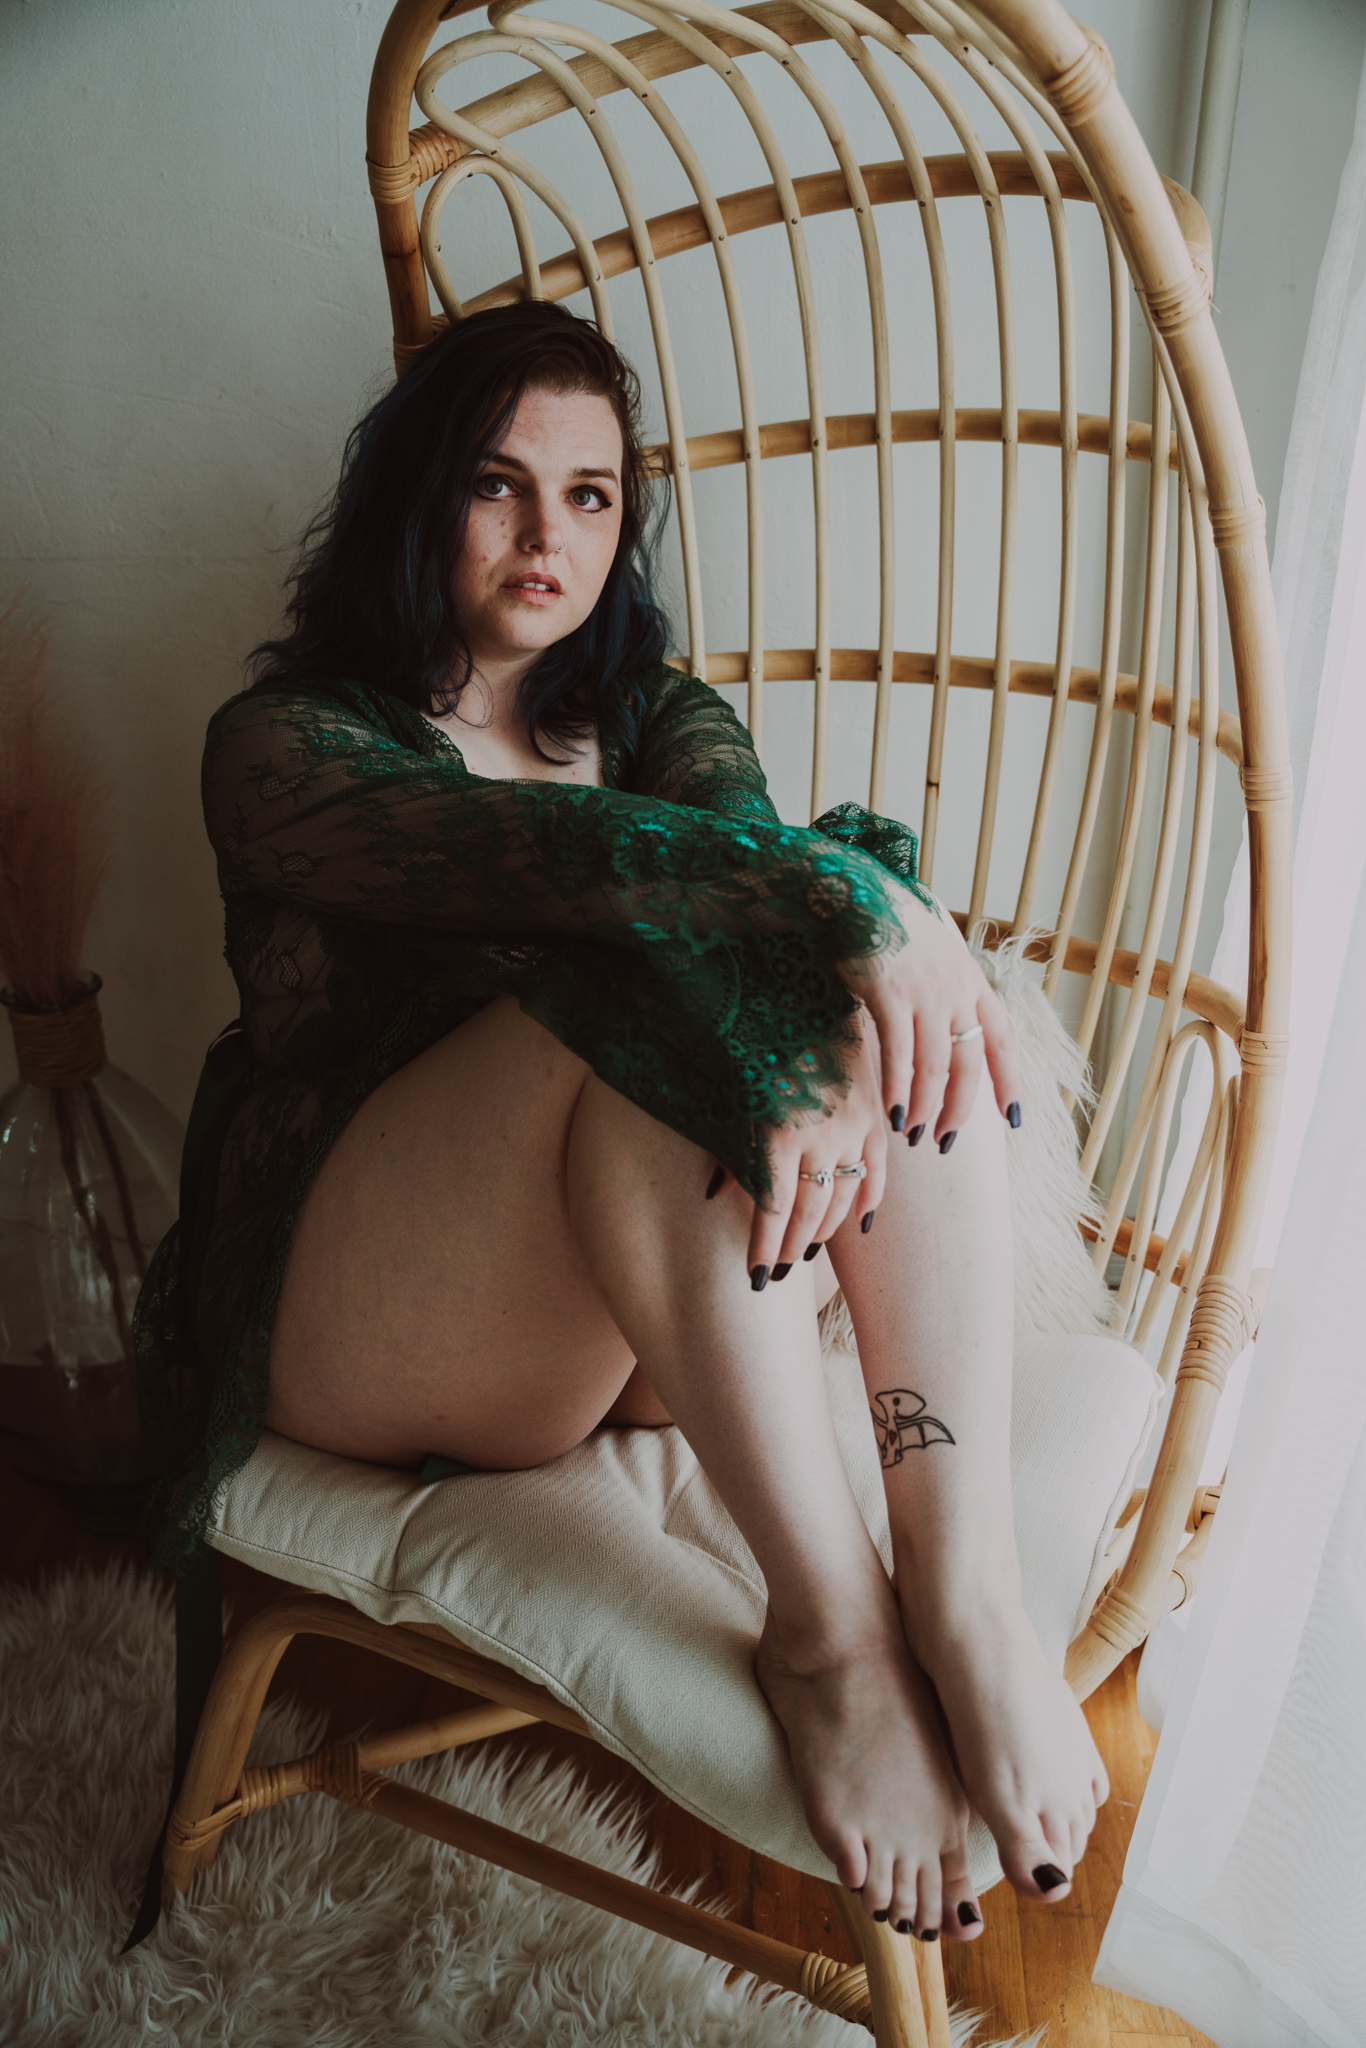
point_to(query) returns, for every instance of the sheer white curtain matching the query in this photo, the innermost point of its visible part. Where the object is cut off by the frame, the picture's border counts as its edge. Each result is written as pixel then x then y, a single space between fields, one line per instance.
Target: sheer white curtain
pixel 1243 1905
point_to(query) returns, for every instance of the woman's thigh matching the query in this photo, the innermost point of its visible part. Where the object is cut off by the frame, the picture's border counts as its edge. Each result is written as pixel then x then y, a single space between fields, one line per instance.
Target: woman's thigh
pixel 435 1298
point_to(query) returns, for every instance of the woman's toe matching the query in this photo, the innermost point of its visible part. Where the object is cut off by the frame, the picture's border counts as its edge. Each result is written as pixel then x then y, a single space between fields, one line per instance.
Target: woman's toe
pixel 1037 1866
pixel 929 1911
pixel 904 1892
pixel 851 1864
pixel 961 1919
pixel 877 1886
pixel 1048 1879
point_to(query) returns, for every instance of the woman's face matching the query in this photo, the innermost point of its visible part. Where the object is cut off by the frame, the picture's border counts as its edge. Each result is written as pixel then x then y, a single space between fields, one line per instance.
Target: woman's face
pixel 543 527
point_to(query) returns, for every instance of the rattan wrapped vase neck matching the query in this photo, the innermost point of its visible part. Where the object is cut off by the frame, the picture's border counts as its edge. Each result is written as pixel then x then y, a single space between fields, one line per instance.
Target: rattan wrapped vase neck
pixel 58 1048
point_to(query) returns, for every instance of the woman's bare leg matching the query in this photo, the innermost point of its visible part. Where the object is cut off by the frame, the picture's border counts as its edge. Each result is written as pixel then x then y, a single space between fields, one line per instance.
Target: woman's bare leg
pixel 481 1282
pixel 930 1293
pixel 435 1298
pixel 741 1374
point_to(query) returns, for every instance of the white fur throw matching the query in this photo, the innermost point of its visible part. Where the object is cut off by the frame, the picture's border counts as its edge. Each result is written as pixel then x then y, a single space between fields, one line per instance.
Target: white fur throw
pixel 1058 1291
pixel 316 1925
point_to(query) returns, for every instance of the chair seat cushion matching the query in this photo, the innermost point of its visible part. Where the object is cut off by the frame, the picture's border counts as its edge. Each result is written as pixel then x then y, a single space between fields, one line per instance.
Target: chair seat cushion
pixel 615 1578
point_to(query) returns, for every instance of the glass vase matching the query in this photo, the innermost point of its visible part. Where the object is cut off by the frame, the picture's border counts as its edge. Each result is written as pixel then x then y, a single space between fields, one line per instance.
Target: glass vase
pixel 89 1169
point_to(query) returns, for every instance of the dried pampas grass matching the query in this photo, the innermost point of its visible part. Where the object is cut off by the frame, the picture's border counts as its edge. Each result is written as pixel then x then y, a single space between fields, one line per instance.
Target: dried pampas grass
pixel 55 837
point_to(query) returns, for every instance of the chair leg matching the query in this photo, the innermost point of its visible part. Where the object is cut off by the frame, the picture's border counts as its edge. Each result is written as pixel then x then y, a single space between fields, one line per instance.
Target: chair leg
pixel 893 1968
pixel 223 1738
pixel 929 1963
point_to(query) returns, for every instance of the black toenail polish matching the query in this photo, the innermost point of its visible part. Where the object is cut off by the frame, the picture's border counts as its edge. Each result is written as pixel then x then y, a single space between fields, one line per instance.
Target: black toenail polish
pixel 1013 1116
pixel 904 1927
pixel 813 1251
pixel 946 1141
pixel 896 1116
pixel 781 1272
pixel 968 1916
pixel 914 1137
pixel 758 1278
pixel 867 1222
pixel 1048 1877
pixel 879 1916
pixel 929 1934
pixel 714 1184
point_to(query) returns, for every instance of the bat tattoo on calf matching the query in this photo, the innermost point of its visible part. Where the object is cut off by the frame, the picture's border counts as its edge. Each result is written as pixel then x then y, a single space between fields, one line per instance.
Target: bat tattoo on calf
pixel 901 1423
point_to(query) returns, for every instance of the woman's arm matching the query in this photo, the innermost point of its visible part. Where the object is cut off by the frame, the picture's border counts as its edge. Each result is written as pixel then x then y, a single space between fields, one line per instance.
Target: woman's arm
pixel 310 803
pixel 694 750
pixel 920 996
pixel 689 957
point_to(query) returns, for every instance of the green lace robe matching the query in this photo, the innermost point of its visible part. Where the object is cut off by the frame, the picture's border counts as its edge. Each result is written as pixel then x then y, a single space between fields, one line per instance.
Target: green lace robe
pixel 668 928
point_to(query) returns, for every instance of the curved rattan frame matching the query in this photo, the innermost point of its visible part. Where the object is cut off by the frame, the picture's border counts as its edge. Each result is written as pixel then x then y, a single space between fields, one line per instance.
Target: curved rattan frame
pixel 1028 53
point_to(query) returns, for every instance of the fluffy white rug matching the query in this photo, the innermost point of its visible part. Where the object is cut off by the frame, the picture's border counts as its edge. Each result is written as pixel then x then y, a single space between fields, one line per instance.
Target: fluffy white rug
pixel 318 1927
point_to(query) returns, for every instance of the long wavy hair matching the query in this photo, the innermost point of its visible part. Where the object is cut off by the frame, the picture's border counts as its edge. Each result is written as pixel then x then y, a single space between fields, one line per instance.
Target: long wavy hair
pixel 372 594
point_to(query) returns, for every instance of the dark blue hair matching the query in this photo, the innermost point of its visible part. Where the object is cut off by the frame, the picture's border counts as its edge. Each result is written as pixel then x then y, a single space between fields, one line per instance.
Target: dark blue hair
pixel 372 596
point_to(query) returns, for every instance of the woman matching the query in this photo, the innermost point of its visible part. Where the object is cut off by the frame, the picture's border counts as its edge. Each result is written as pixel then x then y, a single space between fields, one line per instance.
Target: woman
pixel 567 1074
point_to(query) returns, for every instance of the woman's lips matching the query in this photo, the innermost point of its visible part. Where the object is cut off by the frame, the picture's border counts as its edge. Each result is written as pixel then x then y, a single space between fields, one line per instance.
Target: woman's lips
pixel 535 588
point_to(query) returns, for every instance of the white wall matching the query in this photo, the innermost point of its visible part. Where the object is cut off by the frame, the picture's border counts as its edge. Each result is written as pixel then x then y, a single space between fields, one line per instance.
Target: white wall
pixel 194 313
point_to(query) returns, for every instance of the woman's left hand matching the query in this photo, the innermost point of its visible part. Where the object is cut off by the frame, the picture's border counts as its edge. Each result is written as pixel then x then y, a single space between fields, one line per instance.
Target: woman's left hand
pixel 928 1000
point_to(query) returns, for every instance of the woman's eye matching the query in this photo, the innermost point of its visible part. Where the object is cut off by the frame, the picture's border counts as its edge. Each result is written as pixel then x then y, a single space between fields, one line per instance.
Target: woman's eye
pixel 493 486
pixel 587 498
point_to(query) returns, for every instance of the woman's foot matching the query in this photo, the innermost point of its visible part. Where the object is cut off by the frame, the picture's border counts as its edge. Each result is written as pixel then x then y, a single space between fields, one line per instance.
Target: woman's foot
pixel 1020 1740
pixel 874 1773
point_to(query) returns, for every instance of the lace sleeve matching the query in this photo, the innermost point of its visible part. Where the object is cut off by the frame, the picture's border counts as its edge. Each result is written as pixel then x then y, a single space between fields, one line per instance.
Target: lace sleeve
pixel 686 951
pixel 309 803
pixel 694 750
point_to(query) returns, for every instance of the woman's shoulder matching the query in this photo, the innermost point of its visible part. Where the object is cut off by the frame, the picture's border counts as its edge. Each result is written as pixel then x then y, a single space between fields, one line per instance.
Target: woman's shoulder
pixel 669 695
pixel 326 712
pixel 664 681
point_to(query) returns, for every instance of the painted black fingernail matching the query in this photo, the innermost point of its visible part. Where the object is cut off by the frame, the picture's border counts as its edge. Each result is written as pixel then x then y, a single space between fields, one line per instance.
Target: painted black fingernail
pixel 904 1927
pixel 929 1934
pixel 758 1278
pixel 914 1137
pixel 1048 1877
pixel 867 1222
pixel 896 1116
pixel 813 1251
pixel 781 1272
pixel 1013 1116
pixel 968 1916
pixel 879 1916
pixel 947 1140
pixel 714 1184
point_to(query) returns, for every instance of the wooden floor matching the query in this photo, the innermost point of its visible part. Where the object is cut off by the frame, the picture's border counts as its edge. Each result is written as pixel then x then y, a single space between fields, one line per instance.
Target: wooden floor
pixel 1032 1965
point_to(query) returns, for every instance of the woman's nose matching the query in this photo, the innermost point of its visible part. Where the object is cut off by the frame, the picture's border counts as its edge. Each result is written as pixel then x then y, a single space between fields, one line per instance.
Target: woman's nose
pixel 542 534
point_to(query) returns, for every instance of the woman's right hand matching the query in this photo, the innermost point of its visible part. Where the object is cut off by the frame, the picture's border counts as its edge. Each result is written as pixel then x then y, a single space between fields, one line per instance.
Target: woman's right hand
pixel 802 1210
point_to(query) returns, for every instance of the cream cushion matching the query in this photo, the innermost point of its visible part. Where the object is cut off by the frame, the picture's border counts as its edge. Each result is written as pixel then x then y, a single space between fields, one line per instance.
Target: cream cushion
pixel 615 1578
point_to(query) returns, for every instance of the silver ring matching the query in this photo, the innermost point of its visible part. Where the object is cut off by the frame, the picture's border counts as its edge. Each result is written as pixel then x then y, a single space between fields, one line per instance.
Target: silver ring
pixel 960 1037
pixel 826 1176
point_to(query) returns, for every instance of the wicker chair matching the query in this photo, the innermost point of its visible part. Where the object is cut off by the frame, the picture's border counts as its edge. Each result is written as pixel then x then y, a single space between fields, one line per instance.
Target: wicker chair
pixel 1091 831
